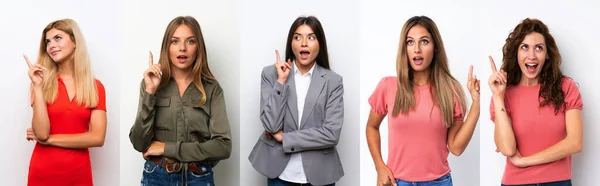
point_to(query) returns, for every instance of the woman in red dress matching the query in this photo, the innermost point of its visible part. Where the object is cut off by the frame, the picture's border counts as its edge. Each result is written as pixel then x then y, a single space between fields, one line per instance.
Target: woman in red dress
pixel 69 109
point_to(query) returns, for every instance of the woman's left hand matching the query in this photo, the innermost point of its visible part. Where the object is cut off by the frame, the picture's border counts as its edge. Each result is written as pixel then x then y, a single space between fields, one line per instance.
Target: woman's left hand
pixel 31 137
pixel 473 85
pixel 157 148
pixel 518 160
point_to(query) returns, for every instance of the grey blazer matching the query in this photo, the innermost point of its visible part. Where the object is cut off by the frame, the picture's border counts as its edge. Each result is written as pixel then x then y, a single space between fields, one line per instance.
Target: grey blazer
pixel 319 133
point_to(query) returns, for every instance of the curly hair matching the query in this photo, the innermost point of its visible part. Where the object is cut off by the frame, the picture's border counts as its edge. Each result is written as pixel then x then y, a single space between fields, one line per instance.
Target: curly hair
pixel 550 77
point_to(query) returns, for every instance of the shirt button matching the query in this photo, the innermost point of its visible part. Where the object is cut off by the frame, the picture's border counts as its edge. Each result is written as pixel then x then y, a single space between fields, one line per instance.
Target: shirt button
pixel 292 149
pixel 278 92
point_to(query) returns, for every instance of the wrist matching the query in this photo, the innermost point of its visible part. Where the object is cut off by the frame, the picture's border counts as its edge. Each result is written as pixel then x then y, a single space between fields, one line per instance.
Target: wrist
pixel 498 98
pixel 151 90
pixel 282 81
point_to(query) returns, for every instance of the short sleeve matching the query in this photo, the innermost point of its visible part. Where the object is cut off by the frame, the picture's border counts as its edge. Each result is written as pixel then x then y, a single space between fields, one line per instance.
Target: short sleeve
pixel 101 96
pixel 572 95
pixel 493 113
pixel 458 111
pixel 377 100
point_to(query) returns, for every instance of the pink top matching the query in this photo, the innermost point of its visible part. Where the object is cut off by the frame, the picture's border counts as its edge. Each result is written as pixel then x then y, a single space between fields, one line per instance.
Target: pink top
pixel 417 146
pixel 537 129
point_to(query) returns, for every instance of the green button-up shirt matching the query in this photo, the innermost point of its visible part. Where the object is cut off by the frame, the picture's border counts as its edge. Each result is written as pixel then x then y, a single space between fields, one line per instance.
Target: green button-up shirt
pixel 190 133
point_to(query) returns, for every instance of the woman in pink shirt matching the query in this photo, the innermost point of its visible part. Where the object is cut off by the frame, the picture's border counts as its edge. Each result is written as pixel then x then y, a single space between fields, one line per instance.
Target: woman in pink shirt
pixel 536 109
pixel 426 105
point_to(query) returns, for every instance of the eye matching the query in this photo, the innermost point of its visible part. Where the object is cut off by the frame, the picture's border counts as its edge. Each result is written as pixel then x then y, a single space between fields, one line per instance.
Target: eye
pixel 410 42
pixel 524 47
pixel 47 41
pixel 539 48
pixel 57 38
pixel 191 41
pixel 297 38
pixel 312 37
pixel 424 42
pixel 175 41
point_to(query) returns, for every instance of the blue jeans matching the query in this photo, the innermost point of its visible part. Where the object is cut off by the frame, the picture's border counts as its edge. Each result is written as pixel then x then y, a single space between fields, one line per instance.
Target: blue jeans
pixel 445 180
pixel 155 175
pixel 279 182
pixel 556 183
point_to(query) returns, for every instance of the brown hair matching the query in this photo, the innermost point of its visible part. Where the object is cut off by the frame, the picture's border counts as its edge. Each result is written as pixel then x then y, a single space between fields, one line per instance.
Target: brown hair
pixel 550 77
pixel 200 68
pixel 444 87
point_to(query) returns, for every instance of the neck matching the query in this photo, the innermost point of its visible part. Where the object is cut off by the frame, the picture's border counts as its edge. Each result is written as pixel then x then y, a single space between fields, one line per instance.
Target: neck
pixel 65 69
pixel 304 68
pixel 421 78
pixel 182 75
pixel 528 81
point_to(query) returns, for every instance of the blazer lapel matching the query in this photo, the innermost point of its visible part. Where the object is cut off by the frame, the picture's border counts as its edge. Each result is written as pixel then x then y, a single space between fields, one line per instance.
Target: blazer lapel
pixel 292 100
pixel 314 90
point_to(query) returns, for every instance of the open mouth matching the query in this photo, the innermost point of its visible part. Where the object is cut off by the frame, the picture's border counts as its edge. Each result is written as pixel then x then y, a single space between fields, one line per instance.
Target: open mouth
pixel 304 54
pixel 531 67
pixel 182 58
pixel 418 60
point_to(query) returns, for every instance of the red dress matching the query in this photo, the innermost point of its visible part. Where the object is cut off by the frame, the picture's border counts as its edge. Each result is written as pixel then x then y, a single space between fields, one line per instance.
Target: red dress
pixel 56 166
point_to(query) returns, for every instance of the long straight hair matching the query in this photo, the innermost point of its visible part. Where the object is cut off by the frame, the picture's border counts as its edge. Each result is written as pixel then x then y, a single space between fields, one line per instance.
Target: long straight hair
pixel 200 68
pixel 315 25
pixel 444 87
pixel 85 87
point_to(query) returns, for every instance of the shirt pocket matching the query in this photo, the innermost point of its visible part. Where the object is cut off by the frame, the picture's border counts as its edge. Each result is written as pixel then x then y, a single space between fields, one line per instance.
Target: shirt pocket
pixel 163 117
pixel 198 123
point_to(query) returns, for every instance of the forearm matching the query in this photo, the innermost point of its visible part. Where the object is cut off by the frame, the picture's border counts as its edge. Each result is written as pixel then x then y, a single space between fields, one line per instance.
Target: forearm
pixel 76 141
pixel 212 150
pixel 374 143
pixel 504 136
pixel 558 151
pixel 273 104
pixel 311 139
pixel 142 131
pixel 40 122
pixel 465 132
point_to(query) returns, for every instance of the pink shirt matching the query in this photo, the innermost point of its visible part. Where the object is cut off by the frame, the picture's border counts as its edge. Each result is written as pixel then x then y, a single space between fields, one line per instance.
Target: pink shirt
pixel 537 128
pixel 417 144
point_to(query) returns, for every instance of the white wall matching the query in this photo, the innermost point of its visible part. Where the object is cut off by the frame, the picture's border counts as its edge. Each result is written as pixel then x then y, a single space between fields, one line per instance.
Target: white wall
pixel 572 26
pixel 143 24
pixel 381 23
pixel 23 23
pixel 264 28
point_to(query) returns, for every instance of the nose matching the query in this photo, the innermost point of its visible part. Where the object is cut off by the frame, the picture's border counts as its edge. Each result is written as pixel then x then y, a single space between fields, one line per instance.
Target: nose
pixel 417 48
pixel 304 42
pixel 182 47
pixel 531 54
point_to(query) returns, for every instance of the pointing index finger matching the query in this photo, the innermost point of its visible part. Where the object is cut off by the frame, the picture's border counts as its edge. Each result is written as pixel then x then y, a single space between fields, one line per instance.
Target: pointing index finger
pixel 150 59
pixel 493 64
pixel 471 73
pixel 27 60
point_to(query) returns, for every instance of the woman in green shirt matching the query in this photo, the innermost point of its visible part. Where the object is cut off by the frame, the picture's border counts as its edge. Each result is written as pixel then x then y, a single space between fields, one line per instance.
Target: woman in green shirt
pixel 181 125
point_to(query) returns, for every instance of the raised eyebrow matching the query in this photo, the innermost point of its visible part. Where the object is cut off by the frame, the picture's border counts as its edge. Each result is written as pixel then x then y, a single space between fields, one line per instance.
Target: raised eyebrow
pixel 174 37
pixel 306 34
pixel 53 36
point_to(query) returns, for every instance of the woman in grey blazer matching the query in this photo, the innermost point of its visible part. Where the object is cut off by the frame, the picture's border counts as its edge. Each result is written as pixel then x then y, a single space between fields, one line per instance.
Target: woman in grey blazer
pixel 302 112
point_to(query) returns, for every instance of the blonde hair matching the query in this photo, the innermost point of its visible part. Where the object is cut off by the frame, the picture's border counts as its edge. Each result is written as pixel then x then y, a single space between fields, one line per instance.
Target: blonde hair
pixel 85 87
pixel 444 87
pixel 200 67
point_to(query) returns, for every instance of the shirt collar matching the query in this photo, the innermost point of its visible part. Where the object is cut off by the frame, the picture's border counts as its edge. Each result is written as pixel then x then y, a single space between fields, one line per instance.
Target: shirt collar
pixel 297 71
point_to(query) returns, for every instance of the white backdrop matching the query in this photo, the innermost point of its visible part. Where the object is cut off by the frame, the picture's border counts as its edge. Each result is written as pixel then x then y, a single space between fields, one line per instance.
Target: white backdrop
pixel 264 28
pixel 23 23
pixel 381 24
pixel 576 36
pixel 143 24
